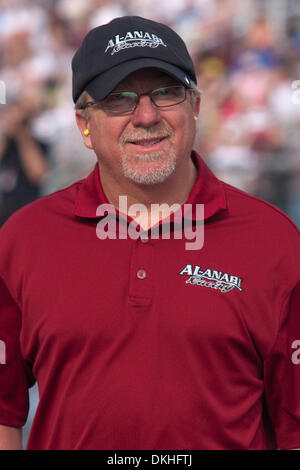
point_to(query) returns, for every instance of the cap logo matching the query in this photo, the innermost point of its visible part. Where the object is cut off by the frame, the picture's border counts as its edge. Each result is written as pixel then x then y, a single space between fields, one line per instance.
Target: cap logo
pixel 133 39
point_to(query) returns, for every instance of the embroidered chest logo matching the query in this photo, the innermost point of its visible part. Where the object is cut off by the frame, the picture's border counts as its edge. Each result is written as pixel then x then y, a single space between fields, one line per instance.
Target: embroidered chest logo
pixel 211 278
pixel 133 39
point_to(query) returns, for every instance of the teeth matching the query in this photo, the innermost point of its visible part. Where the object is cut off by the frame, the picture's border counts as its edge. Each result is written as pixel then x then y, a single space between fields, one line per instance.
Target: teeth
pixel 150 142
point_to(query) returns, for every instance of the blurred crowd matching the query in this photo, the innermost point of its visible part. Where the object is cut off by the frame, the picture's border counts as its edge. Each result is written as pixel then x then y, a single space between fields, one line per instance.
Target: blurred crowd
pixel 247 57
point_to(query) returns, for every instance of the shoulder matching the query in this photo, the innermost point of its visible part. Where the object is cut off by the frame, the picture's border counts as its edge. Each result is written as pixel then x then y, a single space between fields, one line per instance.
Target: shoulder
pixel 263 233
pixel 42 213
pixel 262 214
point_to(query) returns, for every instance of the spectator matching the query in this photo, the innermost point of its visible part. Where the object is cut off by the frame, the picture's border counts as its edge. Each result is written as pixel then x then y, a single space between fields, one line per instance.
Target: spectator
pixel 23 161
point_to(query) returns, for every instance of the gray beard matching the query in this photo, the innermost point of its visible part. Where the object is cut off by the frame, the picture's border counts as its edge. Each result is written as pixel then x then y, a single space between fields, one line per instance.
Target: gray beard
pixel 152 175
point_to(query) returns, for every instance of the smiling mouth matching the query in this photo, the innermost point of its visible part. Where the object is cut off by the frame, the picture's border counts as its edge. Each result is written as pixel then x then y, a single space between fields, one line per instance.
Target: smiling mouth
pixel 147 142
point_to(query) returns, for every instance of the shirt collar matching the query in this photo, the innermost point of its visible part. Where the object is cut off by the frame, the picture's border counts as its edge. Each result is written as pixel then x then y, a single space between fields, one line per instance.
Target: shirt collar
pixel 207 190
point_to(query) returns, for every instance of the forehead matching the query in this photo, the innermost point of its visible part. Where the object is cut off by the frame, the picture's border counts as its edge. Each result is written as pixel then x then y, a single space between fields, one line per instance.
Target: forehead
pixel 145 78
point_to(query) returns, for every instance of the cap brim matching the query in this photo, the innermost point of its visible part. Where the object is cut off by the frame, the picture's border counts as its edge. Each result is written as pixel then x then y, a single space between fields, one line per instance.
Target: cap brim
pixel 103 84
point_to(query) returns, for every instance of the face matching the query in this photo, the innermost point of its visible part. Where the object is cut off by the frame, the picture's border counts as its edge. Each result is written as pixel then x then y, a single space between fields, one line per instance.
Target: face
pixel 148 145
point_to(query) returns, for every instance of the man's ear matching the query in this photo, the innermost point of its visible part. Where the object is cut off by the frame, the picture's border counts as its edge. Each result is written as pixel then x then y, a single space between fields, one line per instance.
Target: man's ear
pixel 197 105
pixel 83 126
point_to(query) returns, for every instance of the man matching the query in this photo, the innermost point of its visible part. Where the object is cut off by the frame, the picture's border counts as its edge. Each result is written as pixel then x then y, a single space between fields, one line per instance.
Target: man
pixel 135 341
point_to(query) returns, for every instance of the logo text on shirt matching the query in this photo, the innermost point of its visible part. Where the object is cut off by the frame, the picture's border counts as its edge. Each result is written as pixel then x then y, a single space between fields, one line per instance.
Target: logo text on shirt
pixel 211 278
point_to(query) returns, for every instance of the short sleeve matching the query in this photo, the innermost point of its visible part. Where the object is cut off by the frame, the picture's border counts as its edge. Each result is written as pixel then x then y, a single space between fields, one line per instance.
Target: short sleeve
pixel 14 402
pixel 282 375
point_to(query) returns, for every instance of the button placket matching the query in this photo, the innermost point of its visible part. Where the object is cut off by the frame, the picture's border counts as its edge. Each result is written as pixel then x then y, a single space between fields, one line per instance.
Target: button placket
pixel 141 287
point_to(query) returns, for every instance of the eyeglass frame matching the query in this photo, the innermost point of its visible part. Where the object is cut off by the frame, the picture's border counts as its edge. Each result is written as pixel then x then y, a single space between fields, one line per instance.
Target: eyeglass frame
pixel 138 97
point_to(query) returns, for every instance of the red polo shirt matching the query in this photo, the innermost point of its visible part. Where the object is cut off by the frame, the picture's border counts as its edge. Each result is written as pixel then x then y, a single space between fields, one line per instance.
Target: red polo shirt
pixel 143 344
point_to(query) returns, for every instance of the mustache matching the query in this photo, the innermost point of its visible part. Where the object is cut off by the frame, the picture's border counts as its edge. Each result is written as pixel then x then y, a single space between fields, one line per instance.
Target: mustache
pixel 142 133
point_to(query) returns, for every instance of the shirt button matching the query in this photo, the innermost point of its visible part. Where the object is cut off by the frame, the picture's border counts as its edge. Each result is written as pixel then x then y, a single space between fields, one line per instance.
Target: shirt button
pixel 141 274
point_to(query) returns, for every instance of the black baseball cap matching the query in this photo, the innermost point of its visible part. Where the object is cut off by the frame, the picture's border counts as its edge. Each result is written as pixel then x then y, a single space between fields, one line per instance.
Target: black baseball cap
pixel 110 52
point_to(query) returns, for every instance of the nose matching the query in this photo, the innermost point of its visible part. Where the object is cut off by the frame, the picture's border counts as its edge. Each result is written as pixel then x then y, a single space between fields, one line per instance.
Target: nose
pixel 146 114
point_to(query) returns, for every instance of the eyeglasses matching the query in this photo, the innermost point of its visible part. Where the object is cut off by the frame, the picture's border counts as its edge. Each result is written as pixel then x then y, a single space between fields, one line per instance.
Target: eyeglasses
pixel 126 101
